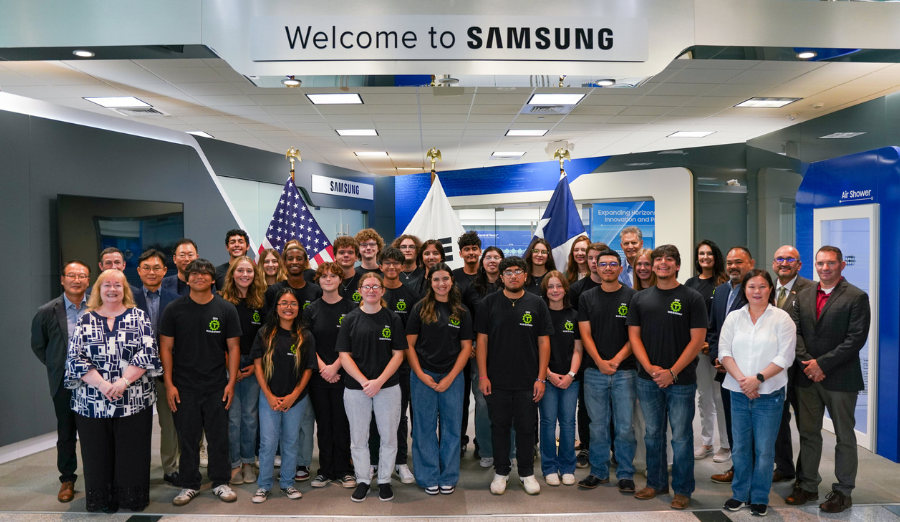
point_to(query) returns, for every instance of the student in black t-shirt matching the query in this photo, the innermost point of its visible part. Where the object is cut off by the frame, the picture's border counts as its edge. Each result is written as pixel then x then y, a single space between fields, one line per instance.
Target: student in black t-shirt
pixel 409 245
pixel 439 333
pixel 195 334
pixel 326 388
pixel 430 254
pixel 346 252
pixel 371 344
pixel 470 250
pixel 237 243
pixel 513 351
pixel 284 356
pixel 370 246
pixel 561 392
pixel 538 261
pixel 666 327
pixel 610 373
pixel 244 287
pixel 296 261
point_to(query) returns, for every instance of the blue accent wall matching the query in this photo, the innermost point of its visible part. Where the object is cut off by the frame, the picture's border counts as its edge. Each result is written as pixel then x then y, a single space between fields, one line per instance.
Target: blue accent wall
pixel 824 185
pixel 411 190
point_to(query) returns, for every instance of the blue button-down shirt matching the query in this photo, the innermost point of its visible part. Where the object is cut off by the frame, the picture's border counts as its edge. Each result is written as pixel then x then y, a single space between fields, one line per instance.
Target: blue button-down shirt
pixel 626 277
pixel 74 313
pixel 152 305
pixel 735 290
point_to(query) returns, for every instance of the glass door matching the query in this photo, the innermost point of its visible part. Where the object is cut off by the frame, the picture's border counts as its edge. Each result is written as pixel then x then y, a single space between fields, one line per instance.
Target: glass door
pixel 854 230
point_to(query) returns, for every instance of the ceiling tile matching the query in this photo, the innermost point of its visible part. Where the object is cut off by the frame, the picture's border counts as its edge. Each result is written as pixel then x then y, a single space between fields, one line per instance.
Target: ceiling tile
pixel 176 75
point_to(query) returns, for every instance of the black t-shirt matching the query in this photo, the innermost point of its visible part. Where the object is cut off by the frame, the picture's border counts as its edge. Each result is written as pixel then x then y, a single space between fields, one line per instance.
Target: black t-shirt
pixel 534 286
pixel 513 331
pixel 324 321
pixel 349 289
pixel 438 344
pixel 410 278
pixel 607 311
pixel 562 342
pixel 251 322
pixel 221 271
pixel 200 332
pixel 284 361
pixel 306 295
pixel 462 280
pixel 706 287
pixel 579 287
pixel 360 270
pixel 371 339
pixel 666 318
pixel 472 299
pixel 401 301
pixel 310 275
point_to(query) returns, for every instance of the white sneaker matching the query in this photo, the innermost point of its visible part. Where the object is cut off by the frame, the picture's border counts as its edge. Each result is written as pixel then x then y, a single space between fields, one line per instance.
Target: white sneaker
pixel 498 485
pixel 204 457
pixel 486 462
pixel 531 485
pixel 568 479
pixel 552 479
pixel 185 496
pixel 225 493
pixel 277 461
pixel 260 496
pixel 292 493
pixel 406 475
pixel 722 455
pixel 702 452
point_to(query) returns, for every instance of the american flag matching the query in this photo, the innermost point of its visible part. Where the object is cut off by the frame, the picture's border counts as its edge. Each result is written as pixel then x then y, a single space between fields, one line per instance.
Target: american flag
pixel 293 220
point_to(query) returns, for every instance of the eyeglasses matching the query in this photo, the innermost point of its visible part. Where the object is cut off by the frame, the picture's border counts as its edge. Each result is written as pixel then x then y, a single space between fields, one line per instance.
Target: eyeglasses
pixel 407 247
pixel 493 258
pixel 788 260
pixel 510 273
pixel 78 277
pixel 186 256
pixel 539 252
pixel 612 264
pixel 369 288
pixel 289 304
pixel 370 244
pixel 390 264
pixel 156 269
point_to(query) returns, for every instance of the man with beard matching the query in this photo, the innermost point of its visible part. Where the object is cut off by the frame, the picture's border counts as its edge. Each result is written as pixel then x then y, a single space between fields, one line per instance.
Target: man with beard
pixel 296 261
pixel 237 242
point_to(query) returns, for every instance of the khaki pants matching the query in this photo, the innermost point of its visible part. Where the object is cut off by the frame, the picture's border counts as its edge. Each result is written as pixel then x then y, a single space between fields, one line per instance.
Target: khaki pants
pixel 168 438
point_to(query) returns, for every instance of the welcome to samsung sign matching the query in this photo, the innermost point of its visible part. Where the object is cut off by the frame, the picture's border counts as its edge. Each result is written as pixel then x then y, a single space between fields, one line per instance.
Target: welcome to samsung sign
pixel 463 38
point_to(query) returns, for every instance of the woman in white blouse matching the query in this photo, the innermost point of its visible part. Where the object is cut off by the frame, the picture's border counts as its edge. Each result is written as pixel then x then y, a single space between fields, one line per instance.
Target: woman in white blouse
pixel 756 345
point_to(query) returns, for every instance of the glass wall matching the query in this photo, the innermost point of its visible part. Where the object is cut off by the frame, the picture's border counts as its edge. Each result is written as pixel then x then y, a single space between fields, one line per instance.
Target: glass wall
pixel 510 228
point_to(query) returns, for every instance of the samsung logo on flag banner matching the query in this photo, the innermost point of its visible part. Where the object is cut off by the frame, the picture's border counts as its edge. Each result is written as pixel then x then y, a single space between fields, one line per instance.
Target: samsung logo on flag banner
pixel 341 187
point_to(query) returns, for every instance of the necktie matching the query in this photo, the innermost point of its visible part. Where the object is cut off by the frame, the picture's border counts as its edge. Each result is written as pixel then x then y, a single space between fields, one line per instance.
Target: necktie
pixel 782 295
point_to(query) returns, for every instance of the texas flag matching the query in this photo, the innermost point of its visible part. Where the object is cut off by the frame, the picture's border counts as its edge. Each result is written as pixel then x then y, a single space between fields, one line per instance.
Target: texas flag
pixel 561 223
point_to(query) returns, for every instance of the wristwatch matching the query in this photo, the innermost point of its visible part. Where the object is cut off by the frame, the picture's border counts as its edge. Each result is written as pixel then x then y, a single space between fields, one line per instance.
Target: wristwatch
pixel 761 378
pixel 571 374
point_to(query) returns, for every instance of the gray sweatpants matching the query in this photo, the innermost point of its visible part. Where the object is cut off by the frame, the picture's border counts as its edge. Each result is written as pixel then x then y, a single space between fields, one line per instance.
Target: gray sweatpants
pixel 359 407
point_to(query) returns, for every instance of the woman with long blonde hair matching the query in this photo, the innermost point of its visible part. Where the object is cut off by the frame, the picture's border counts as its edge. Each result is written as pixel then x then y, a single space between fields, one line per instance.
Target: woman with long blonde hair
pixel 273 266
pixel 578 264
pixel 644 277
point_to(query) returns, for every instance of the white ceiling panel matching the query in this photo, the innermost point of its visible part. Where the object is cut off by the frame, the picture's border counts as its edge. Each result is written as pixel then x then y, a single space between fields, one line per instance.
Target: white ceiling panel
pixel 176 75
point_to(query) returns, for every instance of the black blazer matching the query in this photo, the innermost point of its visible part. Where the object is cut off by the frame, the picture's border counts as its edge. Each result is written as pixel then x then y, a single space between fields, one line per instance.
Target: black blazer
pixel 50 340
pixel 799 285
pixel 165 297
pixel 170 284
pixel 835 339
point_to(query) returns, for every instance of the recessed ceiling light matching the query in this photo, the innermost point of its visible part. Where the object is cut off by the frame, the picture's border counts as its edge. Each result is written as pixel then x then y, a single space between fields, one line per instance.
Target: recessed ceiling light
pixel 410 168
pixel 507 155
pixel 555 99
pixel 842 135
pixel 605 83
pixel 291 82
pixel 118 102
pixel 371 153
pixel 690 134
pixel 638 164
pixel 201 134
pixel 767 102
pixel 335 99
pixel 357 132
pixel 806 55
pixel 81 53
pixel 526 132
pixel 673 152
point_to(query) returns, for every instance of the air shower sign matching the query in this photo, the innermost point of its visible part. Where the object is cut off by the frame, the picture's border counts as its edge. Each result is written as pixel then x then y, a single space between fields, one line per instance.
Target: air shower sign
pixel 463 38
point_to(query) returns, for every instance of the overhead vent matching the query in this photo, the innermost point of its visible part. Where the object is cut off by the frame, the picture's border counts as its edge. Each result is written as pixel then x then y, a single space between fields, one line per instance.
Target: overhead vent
pixel 139 111
pixel 549 109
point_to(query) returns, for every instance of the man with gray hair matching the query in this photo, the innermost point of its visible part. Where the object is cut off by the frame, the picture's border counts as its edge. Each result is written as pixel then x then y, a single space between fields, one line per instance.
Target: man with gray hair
pixel 631 239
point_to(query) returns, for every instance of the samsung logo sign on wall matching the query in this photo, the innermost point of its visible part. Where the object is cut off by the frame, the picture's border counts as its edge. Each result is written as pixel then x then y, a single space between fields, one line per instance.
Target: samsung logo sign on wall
pixel 342 187
pixel 465 38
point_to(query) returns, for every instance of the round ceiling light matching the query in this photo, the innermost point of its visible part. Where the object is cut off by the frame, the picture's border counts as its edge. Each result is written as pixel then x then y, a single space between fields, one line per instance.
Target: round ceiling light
pixel 609 82
pixel 291 82
pixel 806 55
pixel 448 80
pixel 83 54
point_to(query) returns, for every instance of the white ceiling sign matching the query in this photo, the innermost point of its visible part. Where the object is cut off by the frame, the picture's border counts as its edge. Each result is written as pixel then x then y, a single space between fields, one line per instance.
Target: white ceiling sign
pixel 342 187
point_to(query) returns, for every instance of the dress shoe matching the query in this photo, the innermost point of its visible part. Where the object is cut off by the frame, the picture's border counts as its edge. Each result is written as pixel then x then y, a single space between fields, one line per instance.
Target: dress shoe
pixel 723 478
pixel 800 496
pixel 680 502
pixel 171 478
pixel 778 477
pixel 66 492
pixel 648 493
pixel 835 502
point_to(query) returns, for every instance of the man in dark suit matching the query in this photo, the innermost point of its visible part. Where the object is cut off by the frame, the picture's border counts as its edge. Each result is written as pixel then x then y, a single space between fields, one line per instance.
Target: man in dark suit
pixel 185 252
pixel 833 320
pixel 51 329
pixel 786 265
pixel 728 297
pixel 153 300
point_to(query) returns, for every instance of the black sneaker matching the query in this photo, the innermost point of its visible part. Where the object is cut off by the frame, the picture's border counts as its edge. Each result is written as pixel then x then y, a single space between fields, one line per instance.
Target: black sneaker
pixel 591 482
pixel 171 478
pixel 385 492
pixel 733 504
pixel 759 510
pixel 359 494
pixel 582 461
pixel 626 486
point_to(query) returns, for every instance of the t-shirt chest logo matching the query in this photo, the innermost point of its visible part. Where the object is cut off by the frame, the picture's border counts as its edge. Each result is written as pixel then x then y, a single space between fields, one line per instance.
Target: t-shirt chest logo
pixel 569 327
pixel 386 333
pixel 401 306
pixel 340 320
pixel 305 305
pixel 622 311
pixel 675 307
pixel 214 326
pixel 356 297
pixel 293 349
pixel 454 322
pixel 526 319
pixel 256 317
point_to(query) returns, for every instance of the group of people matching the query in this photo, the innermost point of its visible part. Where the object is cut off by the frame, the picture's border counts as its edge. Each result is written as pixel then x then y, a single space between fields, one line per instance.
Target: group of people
pixel 245 360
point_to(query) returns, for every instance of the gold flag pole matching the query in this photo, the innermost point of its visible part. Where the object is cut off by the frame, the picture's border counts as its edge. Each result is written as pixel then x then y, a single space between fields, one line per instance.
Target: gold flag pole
pixel 434 155
pixel 563 155
pixel 293 155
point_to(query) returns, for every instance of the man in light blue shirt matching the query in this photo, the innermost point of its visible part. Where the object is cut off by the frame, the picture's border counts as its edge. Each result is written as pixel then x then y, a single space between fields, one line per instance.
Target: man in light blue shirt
pixel 631 239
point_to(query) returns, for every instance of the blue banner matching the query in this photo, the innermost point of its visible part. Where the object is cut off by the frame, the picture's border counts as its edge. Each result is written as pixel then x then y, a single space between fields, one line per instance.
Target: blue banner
pixel 608 220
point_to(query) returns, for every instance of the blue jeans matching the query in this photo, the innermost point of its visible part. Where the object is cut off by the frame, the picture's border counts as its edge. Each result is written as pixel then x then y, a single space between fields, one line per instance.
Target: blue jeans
pixel 676 401
pixel 598 389
pixel 437 463
pixel 278 427
pixel 754 426
pixel 305 443
pixel 243 419
pixel 558 405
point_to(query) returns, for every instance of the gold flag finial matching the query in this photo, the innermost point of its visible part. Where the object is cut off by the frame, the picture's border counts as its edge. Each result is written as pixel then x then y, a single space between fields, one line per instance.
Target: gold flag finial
pixel 434 155
pixel 293 155
pixel 562 154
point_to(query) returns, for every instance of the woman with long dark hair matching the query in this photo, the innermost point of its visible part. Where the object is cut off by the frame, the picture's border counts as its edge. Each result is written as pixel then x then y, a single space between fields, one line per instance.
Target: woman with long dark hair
pixel 284 356
pixel 439 334
pixel 538 261
pixel 430 254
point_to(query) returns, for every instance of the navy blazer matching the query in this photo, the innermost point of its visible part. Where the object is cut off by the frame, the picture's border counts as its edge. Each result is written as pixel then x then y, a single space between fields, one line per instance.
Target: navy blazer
pixel 165 297
pixel 50 340
pixel 717 314
pixel 170 284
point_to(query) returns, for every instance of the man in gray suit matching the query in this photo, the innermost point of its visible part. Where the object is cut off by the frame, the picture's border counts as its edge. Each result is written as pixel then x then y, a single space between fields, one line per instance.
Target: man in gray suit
pixel 51 329
pixel 786 265
pixel 832 326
